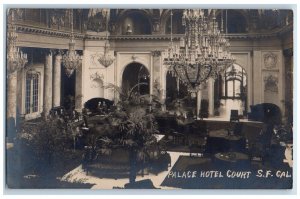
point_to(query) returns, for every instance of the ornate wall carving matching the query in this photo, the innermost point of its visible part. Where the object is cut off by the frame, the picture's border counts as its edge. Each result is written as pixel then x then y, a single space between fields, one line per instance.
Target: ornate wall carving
pixel 270 60
pixel 96 80
pixel 97 19
pixel 271 83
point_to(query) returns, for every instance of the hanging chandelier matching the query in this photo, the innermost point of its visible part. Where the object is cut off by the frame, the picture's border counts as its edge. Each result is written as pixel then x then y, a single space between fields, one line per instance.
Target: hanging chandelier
pixel 71 60
pixel 203 51
pixel 16 59
pixel 106 59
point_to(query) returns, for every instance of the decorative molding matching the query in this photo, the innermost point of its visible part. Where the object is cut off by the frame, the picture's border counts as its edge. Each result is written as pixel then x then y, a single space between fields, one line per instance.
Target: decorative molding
pixel 97 19
pixel 270 70
pixel 134 57
pixel 48 32
pixel 271 83
pixel 156 53
pixel 96 77
pixel 270 60
pixel 60 33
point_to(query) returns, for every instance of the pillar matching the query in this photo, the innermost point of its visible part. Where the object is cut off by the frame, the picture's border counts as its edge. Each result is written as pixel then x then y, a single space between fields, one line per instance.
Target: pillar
pixel 57 81
pixel 199 96
pixel 211 96
pixel 156 73
pixel 47 104
pixel 12 95
pixel 78 88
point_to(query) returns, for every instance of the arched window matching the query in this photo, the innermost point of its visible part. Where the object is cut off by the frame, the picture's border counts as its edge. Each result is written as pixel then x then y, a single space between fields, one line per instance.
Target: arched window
pixel 32 92
pixel 136 74
pixel 235 83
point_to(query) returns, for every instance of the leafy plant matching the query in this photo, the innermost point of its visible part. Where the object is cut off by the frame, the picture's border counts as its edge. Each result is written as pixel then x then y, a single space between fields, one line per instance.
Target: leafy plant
pixel 44 143
pixel 131 125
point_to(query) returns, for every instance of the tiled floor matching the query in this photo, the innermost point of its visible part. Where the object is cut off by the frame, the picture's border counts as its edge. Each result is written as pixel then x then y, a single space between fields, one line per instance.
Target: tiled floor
pixel 78 175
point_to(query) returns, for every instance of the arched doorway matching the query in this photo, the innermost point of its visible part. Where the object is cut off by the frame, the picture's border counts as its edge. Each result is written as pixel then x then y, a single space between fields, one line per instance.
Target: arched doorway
pixel 232 90
pixel 136 73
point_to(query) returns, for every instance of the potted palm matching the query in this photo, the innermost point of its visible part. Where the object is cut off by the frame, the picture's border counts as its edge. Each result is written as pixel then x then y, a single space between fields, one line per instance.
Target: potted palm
pixel 132 126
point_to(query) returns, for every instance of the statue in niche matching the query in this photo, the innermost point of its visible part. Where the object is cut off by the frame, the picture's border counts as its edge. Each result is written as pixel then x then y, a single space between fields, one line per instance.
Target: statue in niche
pixel 128 29
pixel 271 83
pixel 97 19
pixel 156 27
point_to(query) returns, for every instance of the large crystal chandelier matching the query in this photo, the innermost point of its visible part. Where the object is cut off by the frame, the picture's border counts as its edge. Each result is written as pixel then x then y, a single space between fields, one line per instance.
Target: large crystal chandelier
pixel 203 51
pixel 106 59
pixel 16 59
pixel 71 60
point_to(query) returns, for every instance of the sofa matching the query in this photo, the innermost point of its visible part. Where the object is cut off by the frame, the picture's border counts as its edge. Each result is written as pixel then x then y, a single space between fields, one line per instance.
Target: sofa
pixel 265 112
pixel 92 106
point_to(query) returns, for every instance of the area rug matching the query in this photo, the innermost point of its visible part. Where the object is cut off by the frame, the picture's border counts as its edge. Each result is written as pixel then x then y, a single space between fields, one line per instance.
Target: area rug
pixel 205 173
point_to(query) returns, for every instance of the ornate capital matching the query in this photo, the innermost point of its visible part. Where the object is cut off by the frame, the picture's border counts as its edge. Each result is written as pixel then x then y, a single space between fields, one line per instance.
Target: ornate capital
pixel 156 53
pixel 57 52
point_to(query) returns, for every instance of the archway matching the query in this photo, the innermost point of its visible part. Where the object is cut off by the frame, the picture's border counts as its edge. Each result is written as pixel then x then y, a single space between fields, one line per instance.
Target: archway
pixel 133 74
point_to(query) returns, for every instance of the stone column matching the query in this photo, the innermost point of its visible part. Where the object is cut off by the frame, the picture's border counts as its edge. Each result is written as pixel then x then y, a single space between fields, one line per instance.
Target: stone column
pixel 156 64
pixel 57 80
pixel 199 98
pixel 47 104
pixel 12 95
pixel 211 96
pixel 78 88
pixel 288 81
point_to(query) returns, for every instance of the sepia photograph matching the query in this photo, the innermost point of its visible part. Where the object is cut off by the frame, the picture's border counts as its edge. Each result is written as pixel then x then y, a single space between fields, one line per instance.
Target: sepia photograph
pixel 166 98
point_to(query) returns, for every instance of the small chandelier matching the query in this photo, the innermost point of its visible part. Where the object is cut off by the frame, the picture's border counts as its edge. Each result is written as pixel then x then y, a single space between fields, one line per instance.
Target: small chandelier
pixel 203 51
pixel 71 60
pixel 16 59
pixel 106 59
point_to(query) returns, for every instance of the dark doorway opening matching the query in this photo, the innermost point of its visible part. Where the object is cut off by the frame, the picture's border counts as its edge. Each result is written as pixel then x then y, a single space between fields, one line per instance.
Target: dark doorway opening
pixel 68 89
pixel 136 74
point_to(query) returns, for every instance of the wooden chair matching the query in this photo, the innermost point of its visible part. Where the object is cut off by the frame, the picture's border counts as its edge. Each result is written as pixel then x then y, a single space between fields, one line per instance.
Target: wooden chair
pixel 234 115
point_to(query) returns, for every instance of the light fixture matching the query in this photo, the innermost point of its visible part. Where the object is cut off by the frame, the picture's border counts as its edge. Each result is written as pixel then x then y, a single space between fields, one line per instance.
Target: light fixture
pixel 16 59
pixel 71 60
pixel 202 54
pixel 203 51
pixel 106 59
